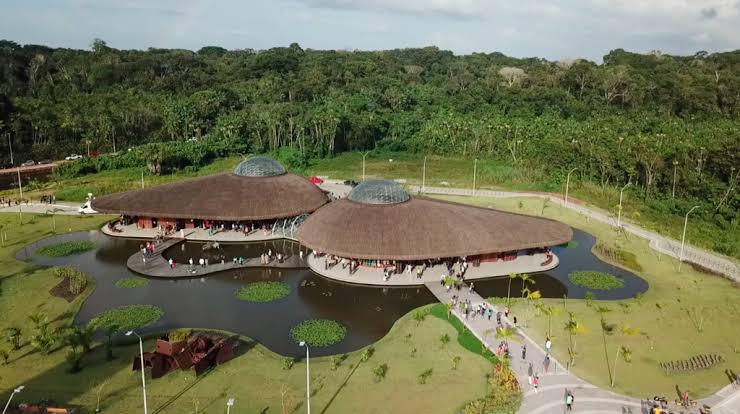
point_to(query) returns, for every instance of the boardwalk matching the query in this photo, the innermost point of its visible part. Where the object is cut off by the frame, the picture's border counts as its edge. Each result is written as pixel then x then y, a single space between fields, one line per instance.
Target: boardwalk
pixel 157 266
pixel 550 397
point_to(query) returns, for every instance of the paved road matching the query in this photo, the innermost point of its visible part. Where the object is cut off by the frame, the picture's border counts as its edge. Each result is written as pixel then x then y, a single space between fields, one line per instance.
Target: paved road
pixel 550 397
pixel 43 208
pixel 665 245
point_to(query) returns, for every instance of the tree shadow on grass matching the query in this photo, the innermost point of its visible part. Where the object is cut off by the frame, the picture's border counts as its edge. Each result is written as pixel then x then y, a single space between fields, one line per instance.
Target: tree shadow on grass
pixel 341 387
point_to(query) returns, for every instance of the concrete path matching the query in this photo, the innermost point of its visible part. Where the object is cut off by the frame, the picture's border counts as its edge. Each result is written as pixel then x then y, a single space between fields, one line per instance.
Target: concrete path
pixel 374 276
pixel 157 266
pixel 714 262
pixel 43 208
pixel 197 234
pixel 550 396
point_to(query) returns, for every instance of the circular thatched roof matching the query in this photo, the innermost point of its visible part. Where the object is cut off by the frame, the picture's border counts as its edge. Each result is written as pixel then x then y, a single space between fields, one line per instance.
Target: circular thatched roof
pixel 254 192
pixel 423 228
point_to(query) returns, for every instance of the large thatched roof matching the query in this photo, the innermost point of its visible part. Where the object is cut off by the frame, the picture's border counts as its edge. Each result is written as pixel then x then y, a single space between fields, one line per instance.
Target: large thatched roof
pixel 369 224
pixel 259 189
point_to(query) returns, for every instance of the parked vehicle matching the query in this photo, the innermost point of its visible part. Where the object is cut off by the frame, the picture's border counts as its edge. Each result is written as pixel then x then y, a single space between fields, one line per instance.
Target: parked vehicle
pixel 44 162
pixel 73 157
pixel 28 163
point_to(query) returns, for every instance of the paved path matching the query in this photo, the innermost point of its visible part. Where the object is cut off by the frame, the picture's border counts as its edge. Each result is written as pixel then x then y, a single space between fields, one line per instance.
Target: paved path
pixel 665 245
pixel 196 234
pixel 157 266
pixel 374 276
pixel 550 397
pixel 43 208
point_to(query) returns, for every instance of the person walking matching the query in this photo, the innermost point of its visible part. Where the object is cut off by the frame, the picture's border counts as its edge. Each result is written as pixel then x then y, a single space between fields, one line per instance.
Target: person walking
pixel 546 363
pixel 536 382
pixel 548 345
pixel 524 351
pixel 506 311
pixel 490 313
pixel 470 288
pixel 530 373
pixel 569 401
pixel 686 398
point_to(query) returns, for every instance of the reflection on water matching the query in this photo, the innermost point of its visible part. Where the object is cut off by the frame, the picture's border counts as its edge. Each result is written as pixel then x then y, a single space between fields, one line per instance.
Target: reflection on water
pixel 209 302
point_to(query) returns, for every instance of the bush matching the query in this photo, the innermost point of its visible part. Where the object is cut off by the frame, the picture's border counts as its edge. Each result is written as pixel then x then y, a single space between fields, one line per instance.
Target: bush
pixel 263 291
pixel 288 363
pixel 367 354
pixel 179 335
pixel 380 371
pixel 125 318
pixel 77 279
pixel 424 376
pixel 132 282
pixel 65 249
pixel 596 280
pixel 318 332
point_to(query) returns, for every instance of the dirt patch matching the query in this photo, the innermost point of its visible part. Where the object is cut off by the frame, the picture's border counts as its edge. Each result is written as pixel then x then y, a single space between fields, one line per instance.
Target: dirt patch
pixel 61 290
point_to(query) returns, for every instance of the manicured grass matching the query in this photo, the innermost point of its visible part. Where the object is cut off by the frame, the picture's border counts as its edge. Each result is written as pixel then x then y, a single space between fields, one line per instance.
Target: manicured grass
pixel 263 291
pixel 596 280
pixel 667 316
pixel 318 332
pixel 465 337
pixel 126 318
pixel 65 248
pixel 132 282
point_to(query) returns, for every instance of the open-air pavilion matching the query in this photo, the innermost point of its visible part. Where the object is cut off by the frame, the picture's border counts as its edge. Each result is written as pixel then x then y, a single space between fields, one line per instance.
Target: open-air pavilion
pixel 379 234
pixel 260 200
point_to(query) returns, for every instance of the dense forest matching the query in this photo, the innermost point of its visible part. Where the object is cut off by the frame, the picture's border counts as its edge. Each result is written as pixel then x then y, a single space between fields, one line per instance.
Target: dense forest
pixel 670 124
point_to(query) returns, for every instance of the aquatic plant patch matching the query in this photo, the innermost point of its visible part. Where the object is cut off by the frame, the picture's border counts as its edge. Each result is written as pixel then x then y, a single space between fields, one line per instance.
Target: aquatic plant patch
pixel 263 291
pixel 132 282
pixel 319 332
pixel 65 248
pixel 125 318
pixel 596 280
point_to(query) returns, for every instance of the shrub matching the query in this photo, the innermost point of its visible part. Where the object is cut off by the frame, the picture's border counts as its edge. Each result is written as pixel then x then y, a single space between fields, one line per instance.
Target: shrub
pixel 288 363
pixel 125 318
pixel 424 376
pixel 263 291
pixel 179 335
pixel 319 332
pixel 65 248
pixel 77 279
pixel 367 354
pixel 596 280
pixel 380 371
pixel 132 282
pixel 456 361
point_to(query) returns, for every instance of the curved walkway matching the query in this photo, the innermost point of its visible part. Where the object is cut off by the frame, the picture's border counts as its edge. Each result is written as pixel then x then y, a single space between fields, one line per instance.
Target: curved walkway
pixel 156 265
pixel 550 397
pixel 716 263
pixel 374 276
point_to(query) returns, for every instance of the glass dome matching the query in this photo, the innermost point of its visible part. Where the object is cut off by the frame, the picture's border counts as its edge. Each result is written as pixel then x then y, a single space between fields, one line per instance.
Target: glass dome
pixel 378 192
pixel 259 167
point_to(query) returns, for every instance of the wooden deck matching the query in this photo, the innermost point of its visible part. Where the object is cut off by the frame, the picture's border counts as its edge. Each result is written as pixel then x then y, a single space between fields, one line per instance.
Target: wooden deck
pixel 157 266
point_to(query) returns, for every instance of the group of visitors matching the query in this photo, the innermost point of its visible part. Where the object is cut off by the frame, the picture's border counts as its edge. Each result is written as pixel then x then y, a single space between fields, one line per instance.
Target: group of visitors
pixel 148 249
pixel 11 202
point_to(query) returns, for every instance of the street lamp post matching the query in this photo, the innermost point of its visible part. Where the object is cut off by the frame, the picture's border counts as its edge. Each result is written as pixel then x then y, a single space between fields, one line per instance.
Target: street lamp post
pixel 683 238
pixel 567 184
pixel 424 175
pixel 619 213
pixel 10 145
pixel 141 360
pixel 675 166
pixel 475 172
pixel 308 378
pixel 229 404
pixel 15 391
pixel 363 164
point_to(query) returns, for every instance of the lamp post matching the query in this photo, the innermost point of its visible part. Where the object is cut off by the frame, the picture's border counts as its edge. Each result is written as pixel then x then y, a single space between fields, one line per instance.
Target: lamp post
pixel 567 183
pixel 475 172
pixel 10 145
pixel 675 166
pixel 20 190
pixel 619 213
pixel 308 378
pixel 683 238
pixel 15 391
pixel 424 175
pixel 229 404
pixel 363 164
pixel 141 359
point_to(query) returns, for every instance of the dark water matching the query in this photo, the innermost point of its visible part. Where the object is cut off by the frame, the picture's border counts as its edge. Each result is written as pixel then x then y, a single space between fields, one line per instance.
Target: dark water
pixel 209 302
pixel 182 252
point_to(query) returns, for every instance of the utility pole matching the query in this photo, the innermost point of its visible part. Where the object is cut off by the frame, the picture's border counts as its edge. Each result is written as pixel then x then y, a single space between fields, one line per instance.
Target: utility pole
pixel 20 189
pixel 619 214
pixel 363 164
pixel 567 183
pixel 10 145
pixel 424 175
pixel 475 172
pixel 673 193
pixel 683 238
pixel 142 178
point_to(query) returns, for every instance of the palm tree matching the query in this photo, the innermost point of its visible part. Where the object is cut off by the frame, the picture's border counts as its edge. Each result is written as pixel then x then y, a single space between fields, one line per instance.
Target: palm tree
pixel 53 212
pixel 526 279
pixel 13 335
pixel 606 329
pixel 626 353
pixel 550 311
pixel 574 328
pixel 505 333
pixel 109 332
pixel 532 298
pixel 508 291
pixel 79 341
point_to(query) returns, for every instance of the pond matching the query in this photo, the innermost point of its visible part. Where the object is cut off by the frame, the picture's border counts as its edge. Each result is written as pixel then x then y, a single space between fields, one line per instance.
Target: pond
pixel 209 302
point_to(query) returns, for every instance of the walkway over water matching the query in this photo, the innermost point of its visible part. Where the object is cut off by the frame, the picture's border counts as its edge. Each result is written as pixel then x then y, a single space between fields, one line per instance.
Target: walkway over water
pixel 550 397
pixel 197 234
pixel 374 276
pixel 156 265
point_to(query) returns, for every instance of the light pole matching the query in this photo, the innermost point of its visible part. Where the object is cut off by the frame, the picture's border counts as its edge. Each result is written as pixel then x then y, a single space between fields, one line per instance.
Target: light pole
pixel 15 391
pixel 308 378
pixel 424 175
pixel 229 404
pixel 683 238
pixel 619 214
pixel 141 360
pixel 567 183
pixel 675 166
pixel 10 145
pixel 363 164
pixel 20 190
pixel 475 172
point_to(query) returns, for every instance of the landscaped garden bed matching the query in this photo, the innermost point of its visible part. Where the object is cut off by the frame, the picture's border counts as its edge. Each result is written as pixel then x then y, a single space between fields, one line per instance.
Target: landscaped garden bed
pixel 263 291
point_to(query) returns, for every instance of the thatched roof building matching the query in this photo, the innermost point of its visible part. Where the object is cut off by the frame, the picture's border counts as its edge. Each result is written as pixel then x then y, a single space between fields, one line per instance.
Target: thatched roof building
pixel 379 220
pixel 258 189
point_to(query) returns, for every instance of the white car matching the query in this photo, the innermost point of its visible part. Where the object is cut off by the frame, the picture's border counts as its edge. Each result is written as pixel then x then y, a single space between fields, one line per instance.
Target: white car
pixel 73 157
pixel 86 208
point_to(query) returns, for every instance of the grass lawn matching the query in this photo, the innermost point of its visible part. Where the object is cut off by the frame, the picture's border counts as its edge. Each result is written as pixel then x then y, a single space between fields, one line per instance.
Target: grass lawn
pixel 667 315
pixel 256 378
